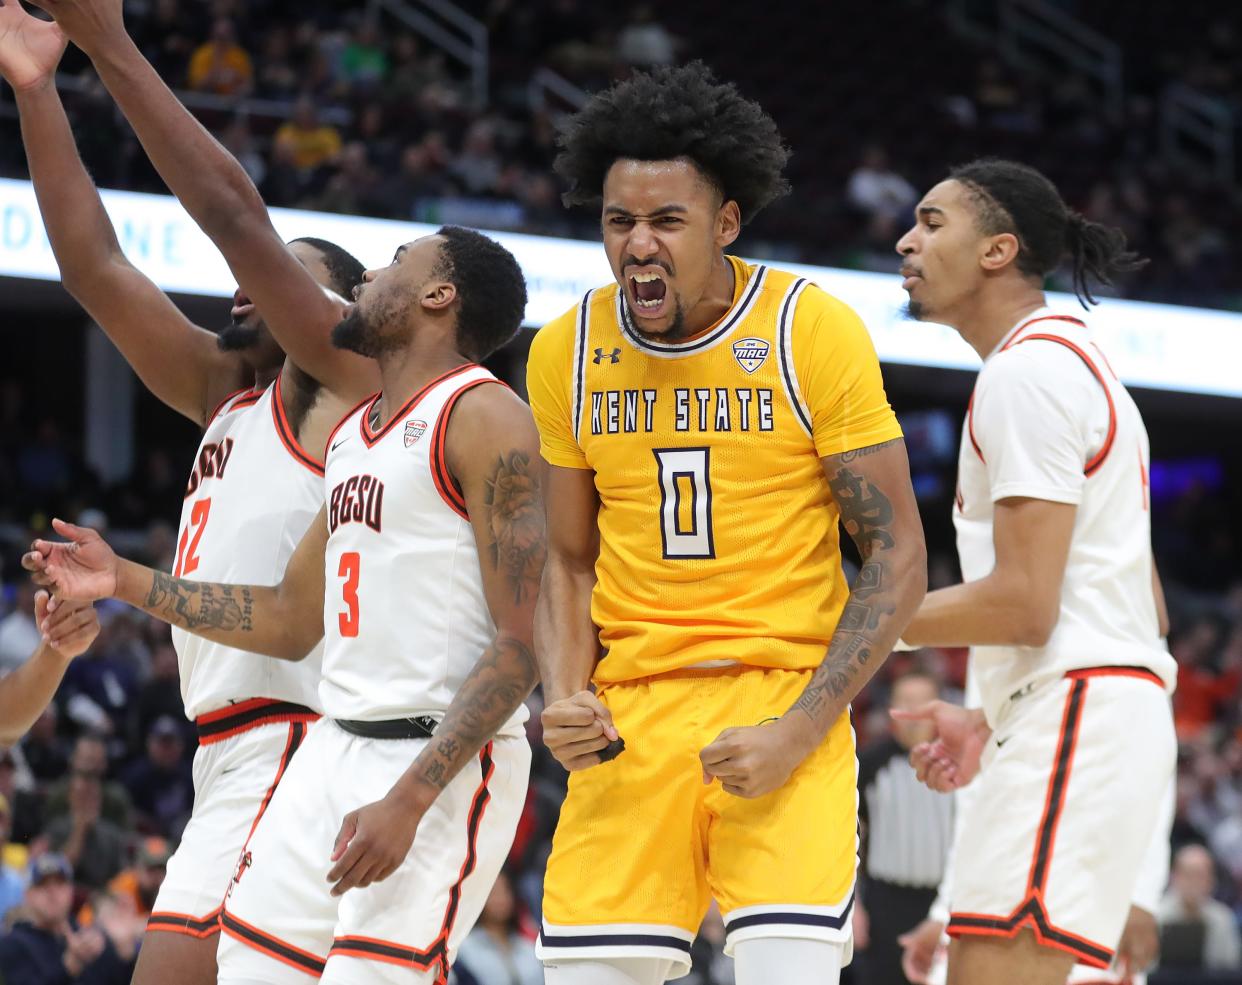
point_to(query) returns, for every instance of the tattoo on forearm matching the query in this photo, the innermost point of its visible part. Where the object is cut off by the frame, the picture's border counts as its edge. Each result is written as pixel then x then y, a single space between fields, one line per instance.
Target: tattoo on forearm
pixel 515 517
pixel 499 681
pixel 201 605
pixel 867 514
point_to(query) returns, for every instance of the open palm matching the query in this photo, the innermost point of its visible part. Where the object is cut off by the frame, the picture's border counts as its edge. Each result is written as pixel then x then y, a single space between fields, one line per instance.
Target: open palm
pixel 30 49
pixel 82 570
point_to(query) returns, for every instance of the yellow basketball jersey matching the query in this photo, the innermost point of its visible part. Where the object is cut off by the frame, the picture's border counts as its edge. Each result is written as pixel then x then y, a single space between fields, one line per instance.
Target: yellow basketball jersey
pixel 718 533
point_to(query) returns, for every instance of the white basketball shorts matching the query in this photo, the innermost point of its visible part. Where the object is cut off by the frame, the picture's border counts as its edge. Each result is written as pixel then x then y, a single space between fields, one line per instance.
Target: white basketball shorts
pixel 282 925
pixel 1071 788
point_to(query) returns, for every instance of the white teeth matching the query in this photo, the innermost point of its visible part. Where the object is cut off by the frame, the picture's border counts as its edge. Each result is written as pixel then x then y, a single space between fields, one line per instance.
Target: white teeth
pixel 649 304
pixel 646 278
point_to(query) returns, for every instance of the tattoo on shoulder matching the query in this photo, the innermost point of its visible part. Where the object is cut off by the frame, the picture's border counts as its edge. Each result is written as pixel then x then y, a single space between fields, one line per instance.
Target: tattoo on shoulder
pixel 201 605
pixel 848 456
pixel 518 528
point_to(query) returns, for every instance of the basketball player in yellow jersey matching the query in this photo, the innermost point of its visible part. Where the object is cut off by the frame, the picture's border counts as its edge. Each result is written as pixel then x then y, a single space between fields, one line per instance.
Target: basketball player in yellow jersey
pixel 706 422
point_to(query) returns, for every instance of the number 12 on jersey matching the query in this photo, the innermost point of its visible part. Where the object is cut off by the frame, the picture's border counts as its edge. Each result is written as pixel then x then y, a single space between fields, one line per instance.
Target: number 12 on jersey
pixel 685 502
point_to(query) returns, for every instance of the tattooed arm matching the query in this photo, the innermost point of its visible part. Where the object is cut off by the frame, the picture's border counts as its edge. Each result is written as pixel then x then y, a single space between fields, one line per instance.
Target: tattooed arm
pixel 284 620
pixel 871 487
pixel 492 450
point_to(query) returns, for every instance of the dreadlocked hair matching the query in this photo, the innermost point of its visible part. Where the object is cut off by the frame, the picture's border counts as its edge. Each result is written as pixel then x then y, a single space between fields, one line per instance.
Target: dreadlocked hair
pixel 671 113
pixel 1013 198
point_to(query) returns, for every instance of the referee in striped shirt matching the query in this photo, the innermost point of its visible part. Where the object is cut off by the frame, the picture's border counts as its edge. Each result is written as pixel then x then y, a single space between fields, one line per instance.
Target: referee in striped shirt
pixel 907 831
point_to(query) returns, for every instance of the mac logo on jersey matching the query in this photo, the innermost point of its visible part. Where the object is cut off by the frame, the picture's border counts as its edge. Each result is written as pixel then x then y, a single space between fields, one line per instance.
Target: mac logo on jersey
pixel 750 353
pixel 413 431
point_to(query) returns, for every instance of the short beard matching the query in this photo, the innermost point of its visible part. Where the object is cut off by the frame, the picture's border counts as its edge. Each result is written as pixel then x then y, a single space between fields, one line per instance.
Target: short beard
pixel 676 331
pixel 356 333
pixel 238 337
pixel 914 310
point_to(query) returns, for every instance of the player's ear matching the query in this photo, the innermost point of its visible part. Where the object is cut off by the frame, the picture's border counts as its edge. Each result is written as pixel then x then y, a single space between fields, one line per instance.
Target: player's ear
pixel 728 223
pixel 439 295
pixel 999 251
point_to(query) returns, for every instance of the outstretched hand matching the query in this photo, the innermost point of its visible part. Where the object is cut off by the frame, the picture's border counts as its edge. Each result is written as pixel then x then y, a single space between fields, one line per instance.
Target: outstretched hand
pixel 30 48
pixel 951 759
pixel 82 570
pixel 70 630
pixel 90 24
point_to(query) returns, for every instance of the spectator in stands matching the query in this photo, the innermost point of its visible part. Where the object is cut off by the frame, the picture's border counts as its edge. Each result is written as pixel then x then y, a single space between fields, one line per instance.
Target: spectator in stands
pixel 12 886
pixel 221 65
pixel 17 787
pixel 100 684
pixel 1201 688
pixel 240 143
pixel 877 190
pixel 646 43
pixel 350 189
pixel 497 950
pixel 160 783
pixel 45 750
pixel 19 636
pixel 276 78
pixel 137 886
pixel 309 143
pixel 88 819
pixel 364 63
pixel 478 165
pixel 1197 931
pixel 46 947
pixel 160 695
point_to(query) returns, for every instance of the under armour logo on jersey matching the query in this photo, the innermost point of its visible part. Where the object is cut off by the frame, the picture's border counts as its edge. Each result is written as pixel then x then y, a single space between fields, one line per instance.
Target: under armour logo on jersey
pixel 750 353
pixel 613 357
pixel 413 431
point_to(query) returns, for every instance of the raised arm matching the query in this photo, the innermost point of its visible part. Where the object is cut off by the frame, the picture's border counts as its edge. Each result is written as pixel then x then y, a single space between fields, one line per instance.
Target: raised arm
pixel 71 629
pixel 492 451
pixel 219 195
pixel 284 620
pixel 177 361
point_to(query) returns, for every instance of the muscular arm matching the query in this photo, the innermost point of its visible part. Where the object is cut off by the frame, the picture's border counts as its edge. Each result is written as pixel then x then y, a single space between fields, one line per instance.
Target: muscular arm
pixel 871 487
pixel 1018 602
pixel 566 640
pixel 177 361
pixel 492 450
pixel 219 195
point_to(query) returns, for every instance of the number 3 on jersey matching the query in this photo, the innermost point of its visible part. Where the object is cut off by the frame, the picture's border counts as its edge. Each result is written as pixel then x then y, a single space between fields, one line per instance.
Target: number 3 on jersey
pixel 187 559
pixel 349 569
pixel 685 502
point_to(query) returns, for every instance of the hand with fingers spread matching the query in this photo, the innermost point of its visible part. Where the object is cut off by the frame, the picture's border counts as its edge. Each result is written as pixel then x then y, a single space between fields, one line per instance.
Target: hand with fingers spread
pixel 70 629
pixel 82 569
pixel 951 759
pixel 754 760
pixel 30 49
pixel 373 842
pixel 90 24
pixel 577 730
pixel 918 950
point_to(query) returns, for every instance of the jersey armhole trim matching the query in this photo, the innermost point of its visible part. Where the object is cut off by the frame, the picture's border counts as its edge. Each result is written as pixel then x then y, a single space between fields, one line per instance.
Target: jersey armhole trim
pixel 445 484
pixel 225 402
pixel 784 340
pixel 580 341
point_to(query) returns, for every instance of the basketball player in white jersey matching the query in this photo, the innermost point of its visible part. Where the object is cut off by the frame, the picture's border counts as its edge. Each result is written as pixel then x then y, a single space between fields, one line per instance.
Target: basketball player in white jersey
pixel 925 947
pixel 421 575
pixel 256 481
pixel 1059 600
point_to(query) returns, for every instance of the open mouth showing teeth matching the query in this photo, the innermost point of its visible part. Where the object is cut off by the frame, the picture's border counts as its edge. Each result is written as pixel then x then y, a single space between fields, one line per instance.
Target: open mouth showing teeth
pixel 649 290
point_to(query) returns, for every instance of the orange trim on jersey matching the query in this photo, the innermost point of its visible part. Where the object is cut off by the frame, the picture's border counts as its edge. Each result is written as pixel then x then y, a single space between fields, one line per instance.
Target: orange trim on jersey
pixel 371 437
pixel 372 948
pixel 1033 915
pixel 272 946
pixel 286 435
pixel 1142 673
pixel 1098 459
pixel 970 427
pixel 446 485
pixel 1058 784
pixel 182 923
pixel 236 393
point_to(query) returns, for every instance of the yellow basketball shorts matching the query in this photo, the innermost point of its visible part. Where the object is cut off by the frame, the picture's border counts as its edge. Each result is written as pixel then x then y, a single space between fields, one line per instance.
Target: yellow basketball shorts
pixel 643 845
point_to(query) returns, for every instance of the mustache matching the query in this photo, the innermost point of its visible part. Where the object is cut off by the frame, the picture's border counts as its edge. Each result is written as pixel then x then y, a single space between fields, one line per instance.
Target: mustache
pixel 633 261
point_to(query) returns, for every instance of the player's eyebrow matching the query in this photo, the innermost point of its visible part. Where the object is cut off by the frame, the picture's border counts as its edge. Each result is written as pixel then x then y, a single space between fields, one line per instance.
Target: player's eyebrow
pixel 671 208
pixel 924 211
pixel 400 252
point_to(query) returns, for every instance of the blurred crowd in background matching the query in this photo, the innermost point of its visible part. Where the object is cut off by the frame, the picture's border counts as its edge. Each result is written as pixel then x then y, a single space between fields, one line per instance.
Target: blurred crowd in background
pixel 334 110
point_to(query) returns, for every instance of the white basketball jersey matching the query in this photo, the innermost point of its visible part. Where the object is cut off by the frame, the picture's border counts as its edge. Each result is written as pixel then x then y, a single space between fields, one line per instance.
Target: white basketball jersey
pixel 1050 420
pixel 405 617
pixel 251 496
